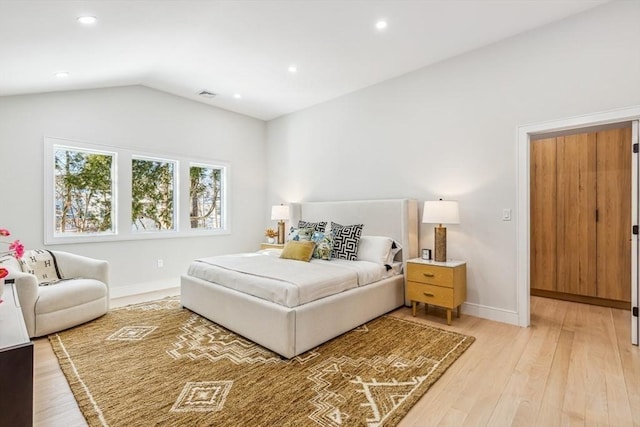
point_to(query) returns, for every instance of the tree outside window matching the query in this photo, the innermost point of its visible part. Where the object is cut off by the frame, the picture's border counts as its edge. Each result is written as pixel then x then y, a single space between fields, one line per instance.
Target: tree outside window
pixel 152 194
pixel 205 192
pixel 87 194
pixel 83 192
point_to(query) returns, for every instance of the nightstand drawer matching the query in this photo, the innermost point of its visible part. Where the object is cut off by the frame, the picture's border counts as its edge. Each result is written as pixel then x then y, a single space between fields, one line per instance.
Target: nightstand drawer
pixel 431 274
pixel 430 294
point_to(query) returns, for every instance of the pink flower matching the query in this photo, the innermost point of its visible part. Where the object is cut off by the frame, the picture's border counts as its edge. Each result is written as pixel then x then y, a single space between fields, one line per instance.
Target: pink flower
pixel 3 272
pixel 18 248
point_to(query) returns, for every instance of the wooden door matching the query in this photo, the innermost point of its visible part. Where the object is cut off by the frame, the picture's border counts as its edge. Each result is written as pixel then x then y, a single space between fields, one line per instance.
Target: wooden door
pixel 543 214
pixel 576 210
pixel 613 230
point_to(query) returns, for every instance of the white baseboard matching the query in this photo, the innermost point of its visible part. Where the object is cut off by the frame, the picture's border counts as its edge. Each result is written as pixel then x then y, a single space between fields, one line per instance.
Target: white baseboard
pixel 142 288
pixel 491 313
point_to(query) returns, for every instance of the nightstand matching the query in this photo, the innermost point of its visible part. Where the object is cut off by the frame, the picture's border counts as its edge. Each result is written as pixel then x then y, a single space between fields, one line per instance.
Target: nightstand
pixel 439 283
pixel 271 246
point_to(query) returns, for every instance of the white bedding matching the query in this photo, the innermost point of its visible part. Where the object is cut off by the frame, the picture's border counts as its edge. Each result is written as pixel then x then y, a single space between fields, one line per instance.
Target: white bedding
pixel 287 282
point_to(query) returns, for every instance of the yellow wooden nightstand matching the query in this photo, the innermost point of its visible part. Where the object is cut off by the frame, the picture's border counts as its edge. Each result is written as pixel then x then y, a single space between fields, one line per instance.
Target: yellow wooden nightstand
pixel 271 246
pixel 439 283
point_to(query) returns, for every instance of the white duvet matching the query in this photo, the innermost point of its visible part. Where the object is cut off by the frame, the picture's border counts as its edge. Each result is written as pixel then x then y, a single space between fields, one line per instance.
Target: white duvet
pixel 286 282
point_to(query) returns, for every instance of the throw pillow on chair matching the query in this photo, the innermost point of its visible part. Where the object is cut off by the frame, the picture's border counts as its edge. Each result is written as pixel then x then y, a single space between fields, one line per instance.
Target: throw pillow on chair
pixel 60 290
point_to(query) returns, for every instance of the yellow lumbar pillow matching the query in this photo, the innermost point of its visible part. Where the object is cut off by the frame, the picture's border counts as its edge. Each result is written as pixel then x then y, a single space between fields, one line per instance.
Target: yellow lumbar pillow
pixel 298 250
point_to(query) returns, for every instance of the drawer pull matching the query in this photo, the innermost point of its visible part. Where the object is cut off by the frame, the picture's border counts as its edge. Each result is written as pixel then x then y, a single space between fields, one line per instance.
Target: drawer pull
pixel 428 274
pixel 426 294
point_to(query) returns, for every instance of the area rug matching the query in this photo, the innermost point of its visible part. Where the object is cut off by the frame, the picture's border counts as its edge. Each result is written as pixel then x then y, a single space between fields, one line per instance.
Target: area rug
pixel 159 364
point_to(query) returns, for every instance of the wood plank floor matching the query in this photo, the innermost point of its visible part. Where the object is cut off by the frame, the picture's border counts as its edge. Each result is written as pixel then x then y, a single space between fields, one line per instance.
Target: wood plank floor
pixel 575 365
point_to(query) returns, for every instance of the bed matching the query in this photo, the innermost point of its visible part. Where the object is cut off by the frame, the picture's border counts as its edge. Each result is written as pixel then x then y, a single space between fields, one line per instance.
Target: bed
pixel 290 331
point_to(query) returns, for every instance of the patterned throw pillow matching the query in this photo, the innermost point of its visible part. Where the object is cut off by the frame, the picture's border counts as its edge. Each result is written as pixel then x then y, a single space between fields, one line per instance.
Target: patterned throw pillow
pixel 317 226
pixel 42 264
pixel 324 244
pixel 345 241
pixel 300 234
pixel 335 227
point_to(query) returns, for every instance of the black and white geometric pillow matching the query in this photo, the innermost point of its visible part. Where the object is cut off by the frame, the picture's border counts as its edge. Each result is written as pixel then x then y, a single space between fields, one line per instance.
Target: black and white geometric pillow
pixel 345 241
pixel 317 226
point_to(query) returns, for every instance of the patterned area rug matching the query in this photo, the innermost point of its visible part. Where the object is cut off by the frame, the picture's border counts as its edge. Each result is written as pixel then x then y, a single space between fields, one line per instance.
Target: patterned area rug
pixel 159 364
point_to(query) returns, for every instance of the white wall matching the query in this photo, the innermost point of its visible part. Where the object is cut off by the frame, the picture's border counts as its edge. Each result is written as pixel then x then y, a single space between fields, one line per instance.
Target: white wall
pixel 149 120
pixel 449 131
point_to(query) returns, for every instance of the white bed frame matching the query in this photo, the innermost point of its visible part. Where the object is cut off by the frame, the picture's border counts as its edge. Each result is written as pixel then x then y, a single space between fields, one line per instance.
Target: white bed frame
pixel 292 331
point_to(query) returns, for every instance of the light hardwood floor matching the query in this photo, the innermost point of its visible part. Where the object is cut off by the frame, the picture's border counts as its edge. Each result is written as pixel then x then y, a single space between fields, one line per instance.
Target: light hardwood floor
pixel 575 365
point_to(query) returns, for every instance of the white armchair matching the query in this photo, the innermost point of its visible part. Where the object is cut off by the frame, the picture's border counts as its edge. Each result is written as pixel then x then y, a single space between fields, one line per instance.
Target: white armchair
pixel 82 296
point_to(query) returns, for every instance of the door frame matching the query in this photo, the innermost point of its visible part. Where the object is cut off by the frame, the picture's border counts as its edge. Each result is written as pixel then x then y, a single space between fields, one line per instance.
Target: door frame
pixel 524 134
pixel 635 258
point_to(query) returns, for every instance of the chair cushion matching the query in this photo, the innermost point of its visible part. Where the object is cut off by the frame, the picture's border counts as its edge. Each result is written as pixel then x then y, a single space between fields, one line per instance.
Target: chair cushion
pixel 69 293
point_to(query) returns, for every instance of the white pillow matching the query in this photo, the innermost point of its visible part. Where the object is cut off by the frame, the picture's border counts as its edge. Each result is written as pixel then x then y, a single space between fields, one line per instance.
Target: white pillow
pixel 375 249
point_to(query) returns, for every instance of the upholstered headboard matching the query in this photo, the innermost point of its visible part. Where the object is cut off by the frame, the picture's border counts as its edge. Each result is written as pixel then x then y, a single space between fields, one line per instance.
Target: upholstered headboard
pixel 395 218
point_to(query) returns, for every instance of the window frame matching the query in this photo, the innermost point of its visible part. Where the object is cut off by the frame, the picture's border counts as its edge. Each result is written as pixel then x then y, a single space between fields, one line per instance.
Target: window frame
pixel 122 194
pixel 176 201
pixel 114 191
pixel 223 193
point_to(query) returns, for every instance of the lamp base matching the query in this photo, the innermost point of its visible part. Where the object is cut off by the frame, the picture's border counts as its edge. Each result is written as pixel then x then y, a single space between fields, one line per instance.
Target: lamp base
pixel 440 254
pixel 281 232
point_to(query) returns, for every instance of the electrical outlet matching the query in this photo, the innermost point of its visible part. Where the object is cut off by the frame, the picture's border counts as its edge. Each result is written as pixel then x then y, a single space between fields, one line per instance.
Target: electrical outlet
pixel 506 214
pixel 160 263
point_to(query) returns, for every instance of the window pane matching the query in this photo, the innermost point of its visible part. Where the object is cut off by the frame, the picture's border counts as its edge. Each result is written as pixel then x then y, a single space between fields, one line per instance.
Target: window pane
pixel 206 197
pixel 83 192
pixel 152 195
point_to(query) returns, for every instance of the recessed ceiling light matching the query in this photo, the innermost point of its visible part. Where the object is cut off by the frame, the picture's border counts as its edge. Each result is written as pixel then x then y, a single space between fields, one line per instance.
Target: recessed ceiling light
pixel 292 69
pixel 87 20
pixel 237 96
pixel 62 74
pixel 381 25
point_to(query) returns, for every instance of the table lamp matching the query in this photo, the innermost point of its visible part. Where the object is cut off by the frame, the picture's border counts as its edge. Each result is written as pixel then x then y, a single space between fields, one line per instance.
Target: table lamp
pixel 441 212
pixel 280 213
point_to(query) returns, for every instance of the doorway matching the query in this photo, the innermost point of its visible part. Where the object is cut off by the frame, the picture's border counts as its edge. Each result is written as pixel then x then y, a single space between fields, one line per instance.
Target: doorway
pixel 580 198
pixel 525 135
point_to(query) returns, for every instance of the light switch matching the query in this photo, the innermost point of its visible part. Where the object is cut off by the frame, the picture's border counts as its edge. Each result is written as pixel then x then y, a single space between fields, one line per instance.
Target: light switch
pixel 506 214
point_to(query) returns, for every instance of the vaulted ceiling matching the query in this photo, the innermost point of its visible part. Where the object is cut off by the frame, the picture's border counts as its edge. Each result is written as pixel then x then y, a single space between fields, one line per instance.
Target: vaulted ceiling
pixel 242 50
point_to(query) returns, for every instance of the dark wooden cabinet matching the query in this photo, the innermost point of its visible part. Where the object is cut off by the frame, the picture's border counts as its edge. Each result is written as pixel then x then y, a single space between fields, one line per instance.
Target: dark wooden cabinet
pixel 16 364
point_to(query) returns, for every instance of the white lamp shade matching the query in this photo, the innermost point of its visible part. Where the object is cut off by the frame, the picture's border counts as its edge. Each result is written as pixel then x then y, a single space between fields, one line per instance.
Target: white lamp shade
pixel 280 212
pixel 441 212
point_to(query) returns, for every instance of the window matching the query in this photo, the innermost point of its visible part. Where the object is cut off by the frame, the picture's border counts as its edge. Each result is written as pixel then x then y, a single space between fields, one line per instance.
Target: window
pixel 205 195
pixel 83 192
pixel 99 193
pixel 152 194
